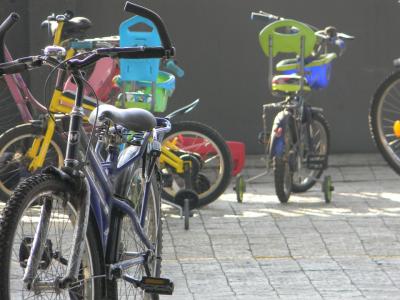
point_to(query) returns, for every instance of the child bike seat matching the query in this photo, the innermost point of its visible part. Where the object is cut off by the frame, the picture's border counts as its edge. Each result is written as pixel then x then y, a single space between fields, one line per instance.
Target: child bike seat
pixel 289 84
pixel 317 69
pixel 73 28
pixel 135 119
pixel 293 63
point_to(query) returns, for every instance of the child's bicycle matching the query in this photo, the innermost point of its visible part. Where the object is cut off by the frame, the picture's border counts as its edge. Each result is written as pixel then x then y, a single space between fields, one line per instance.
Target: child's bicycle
pixel 26 148
pixel 91 229
pixel 298 146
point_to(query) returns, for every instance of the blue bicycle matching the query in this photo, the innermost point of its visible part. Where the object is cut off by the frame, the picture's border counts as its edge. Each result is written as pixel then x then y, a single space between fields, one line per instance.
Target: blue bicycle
pixel 92 229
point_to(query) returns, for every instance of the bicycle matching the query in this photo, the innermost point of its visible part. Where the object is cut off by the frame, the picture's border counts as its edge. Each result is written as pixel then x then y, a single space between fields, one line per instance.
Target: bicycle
pixel 384 124
pixel 111 204
pixel 297 148
pixel 27 148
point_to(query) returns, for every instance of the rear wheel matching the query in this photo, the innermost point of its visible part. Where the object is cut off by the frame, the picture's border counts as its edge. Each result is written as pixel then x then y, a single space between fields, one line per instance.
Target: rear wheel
pixel 208 155
pixel 383 114
pixel 18 225
pixel 14 162
pixel 305 178
pixel 130 242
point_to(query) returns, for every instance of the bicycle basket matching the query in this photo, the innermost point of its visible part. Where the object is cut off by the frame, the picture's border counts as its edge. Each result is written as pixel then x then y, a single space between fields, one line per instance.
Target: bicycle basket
pixel 317 72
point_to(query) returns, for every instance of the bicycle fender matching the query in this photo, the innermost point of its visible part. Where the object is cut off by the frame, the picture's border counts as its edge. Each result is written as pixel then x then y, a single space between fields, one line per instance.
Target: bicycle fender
pixel 72 177
pixel 277 145
pixel 127 153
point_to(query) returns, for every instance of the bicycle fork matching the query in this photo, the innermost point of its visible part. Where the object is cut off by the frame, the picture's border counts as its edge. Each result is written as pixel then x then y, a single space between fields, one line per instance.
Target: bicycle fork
pixel 30 278
pixel 80 184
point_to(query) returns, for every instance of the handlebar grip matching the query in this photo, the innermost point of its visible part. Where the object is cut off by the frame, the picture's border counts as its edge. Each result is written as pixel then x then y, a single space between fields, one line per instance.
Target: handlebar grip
pixel 155 18
pixel 12 68
pixel 8 23
pixel 264 17
pixel 174 68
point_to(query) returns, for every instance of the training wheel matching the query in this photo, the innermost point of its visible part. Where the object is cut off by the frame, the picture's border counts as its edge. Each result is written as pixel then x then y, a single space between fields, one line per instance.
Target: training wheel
pixel 327 188
pixel 188 200
pixel 240 188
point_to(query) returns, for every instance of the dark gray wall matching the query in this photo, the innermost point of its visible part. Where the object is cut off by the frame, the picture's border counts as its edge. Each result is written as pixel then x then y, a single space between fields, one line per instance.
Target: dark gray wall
pixel 217 45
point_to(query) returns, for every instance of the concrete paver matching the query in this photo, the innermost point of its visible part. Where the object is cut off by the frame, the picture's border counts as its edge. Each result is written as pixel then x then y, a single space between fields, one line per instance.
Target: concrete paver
pixel 261 249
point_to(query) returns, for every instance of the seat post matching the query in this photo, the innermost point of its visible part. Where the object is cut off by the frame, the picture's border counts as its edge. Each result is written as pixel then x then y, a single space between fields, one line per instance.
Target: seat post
pixel 302 73
pixel 271 61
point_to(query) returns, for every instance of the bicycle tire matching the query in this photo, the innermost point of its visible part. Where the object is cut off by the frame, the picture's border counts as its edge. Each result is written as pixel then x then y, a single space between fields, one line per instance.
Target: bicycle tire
pixel 375 127
pixel 25 197
pixel 210 133
pixel 283 175
pixel 14 136
pixel 310 181
pixel 127 179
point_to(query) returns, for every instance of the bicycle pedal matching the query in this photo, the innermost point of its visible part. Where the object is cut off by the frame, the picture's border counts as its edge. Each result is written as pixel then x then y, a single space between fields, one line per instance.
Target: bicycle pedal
pixel 317 162
pixel 153 285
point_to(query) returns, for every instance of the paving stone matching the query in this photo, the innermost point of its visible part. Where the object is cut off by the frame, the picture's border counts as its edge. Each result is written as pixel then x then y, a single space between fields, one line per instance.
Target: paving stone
pixel 261 249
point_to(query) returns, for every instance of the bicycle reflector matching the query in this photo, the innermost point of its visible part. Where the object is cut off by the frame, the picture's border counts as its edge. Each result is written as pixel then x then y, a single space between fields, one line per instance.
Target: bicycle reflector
pixel 396 128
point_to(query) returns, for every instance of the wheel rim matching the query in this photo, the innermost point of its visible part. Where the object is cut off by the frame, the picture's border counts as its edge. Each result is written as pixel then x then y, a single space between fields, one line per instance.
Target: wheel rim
pixel 388 111
pixel 62 221
pixel 17 168
pixel 129 242
pixel 319 140
pixel 213 164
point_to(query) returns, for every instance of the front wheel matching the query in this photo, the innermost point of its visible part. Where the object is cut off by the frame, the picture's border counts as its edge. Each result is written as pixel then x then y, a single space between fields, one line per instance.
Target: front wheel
pixel 19 222
pixel 14 161
pixel 383 116
pixel 283 163
pixel 208 155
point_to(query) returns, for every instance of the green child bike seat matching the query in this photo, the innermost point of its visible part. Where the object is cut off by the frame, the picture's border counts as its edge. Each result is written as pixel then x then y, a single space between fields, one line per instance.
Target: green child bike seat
pixel 285 36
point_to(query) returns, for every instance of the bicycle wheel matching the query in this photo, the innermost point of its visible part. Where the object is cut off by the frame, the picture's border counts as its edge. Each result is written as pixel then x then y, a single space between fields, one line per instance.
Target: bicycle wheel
pixel 305 178
pixel 283 167
pixel 18 225
pixel 210 159
pixel 384 112
pixel 14 163
pixel 130 243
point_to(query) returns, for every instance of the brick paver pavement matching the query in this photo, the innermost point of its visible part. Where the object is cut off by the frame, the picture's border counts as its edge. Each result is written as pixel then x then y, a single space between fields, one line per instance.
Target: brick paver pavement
pixel 349 249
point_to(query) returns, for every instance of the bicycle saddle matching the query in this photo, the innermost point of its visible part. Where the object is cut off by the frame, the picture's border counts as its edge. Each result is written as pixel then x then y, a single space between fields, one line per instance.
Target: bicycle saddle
pixel 73 28
pixel 135 119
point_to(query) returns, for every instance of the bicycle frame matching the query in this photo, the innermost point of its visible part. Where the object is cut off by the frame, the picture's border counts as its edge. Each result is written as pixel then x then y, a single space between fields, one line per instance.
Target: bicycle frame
pixel 103 203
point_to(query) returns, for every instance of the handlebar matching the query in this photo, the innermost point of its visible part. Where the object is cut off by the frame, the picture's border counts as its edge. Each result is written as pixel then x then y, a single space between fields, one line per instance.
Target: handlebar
pixel 172 67
pixel 75 63
pixel 4 27
pixel 264 17
pixel 156 19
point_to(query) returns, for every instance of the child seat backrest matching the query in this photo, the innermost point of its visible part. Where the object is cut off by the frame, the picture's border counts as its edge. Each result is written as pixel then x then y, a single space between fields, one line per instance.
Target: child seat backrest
pixel 139 31
pixel 285 36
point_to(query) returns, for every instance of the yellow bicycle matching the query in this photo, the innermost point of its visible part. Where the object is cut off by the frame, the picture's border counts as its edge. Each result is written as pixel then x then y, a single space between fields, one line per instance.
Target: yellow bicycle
pixel 192 152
